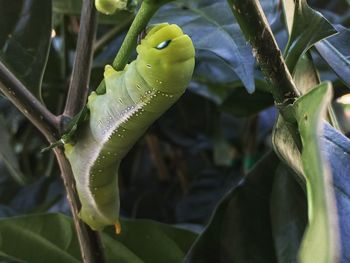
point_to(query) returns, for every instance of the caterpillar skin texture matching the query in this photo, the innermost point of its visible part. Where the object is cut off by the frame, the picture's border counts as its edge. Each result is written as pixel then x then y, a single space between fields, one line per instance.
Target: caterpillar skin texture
pixel 134 99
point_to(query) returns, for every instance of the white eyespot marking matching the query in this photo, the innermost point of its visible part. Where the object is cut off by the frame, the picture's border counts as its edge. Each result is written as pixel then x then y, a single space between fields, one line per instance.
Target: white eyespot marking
pixel 163 44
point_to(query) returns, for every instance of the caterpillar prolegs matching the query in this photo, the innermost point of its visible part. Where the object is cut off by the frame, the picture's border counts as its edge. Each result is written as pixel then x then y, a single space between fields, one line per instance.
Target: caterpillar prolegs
pixel 134 99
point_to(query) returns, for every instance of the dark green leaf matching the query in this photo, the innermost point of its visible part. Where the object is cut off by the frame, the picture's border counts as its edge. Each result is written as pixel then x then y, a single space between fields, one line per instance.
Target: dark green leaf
pixel 242 104
pixel 153 242
pixel 38 239
pixel 288 214
pixel 240 229
pixel 206 22
pixel 309 27
pixel 336 52
pixel 25 39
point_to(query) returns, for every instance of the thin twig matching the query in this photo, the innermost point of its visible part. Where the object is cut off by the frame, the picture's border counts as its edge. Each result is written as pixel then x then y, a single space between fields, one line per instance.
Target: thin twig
pixel 29 105
pixel 79 86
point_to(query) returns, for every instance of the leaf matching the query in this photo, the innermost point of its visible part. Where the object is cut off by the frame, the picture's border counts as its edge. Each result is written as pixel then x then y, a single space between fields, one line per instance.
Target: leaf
pixel 288 214
pixel 336 149
pixel 288 10
pixel 39 238
pixel 8 156
pixel 319 242
pixel 240 229
pixel 242 104
pixel 206 22
pixel 153 242
pixel 336 52
pixel 305 75
pixel 309 27
pixel 25 40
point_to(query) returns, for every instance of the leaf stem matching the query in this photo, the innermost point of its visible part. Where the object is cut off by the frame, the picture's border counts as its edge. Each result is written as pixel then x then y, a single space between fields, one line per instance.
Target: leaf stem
pixel 140 22
pixel 143 16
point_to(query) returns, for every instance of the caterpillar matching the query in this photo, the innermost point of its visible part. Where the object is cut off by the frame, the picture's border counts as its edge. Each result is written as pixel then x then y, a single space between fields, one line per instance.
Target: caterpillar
pixel 134 99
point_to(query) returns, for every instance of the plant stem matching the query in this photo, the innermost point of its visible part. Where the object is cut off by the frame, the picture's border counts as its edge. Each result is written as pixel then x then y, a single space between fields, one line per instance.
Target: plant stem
pixel 140 22
pixel 30 106
pixel 79 85
pixel 89 240
pixel 257 31
pixel 143 16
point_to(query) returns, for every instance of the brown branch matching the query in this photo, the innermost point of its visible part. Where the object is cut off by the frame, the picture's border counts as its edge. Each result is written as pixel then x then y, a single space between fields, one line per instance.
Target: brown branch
pixel 30 106
pixel 79 86
pixel 89 240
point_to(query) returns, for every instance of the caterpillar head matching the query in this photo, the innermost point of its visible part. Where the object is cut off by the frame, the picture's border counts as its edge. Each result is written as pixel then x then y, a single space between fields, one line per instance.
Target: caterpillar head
pixel 166 58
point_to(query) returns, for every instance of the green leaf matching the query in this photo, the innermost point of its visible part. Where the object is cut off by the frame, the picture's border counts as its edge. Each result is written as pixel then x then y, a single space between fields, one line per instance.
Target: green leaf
pixel 336 52
pixel 39 238
pixel 25 40
pixel 240 230
pixel 288 213
pixel 305 74
pixel 153 242
pixel 242 104
pixel 309 27
pixel 320 240
pixel 288 10
pixel 233 98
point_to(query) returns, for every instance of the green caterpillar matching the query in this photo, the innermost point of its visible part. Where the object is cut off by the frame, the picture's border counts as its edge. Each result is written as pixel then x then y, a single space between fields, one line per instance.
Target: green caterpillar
pixel 134 99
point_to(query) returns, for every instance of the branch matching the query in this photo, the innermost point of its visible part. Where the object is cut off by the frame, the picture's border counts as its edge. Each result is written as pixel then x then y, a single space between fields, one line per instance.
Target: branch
pixel 89 240
pixel 257 31
pixel 79 85
pixel 29 105
pixel 143 16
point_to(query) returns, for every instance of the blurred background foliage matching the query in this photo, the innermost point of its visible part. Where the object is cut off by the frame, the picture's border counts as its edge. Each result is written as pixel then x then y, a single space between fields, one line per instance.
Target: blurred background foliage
pixel 196 152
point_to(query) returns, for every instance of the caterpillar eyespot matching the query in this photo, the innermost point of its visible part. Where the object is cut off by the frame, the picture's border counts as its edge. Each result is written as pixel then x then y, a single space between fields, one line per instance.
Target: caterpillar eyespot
pixel 134 99
pixel 164 44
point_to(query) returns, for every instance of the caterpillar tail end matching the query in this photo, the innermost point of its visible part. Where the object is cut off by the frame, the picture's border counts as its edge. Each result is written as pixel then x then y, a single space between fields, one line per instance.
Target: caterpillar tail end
pixel 118 228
